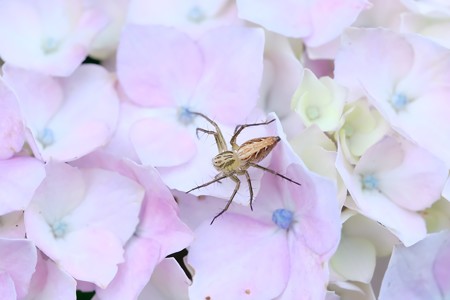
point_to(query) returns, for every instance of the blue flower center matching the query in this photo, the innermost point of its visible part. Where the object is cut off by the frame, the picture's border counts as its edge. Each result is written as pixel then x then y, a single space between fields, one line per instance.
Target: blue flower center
pixel 283 218
pixel 369 182
pixel 196 15
pixel 185 116
pixel 399 101
pixel 59 229
pixel 46 137
pixel 50 45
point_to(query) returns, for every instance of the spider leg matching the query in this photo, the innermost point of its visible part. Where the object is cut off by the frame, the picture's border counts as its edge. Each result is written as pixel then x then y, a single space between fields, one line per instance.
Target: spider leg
pixel 250 188
pixel 238 184
pixel 273 172
pixel 239 128
pixel 220 141
pixel 216 179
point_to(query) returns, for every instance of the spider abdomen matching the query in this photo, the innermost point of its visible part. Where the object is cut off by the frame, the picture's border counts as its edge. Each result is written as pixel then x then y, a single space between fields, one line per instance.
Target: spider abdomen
pixel 226 162
pixel 257 149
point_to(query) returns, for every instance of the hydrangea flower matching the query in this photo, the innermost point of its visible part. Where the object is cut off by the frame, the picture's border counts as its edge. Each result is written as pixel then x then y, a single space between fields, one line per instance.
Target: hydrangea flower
pixel 406 79
pixel 319 101
pixel 76 214
pixel 51 37
pixel 66 117
pixel 391 182
pixel 159 232
pixel 362 127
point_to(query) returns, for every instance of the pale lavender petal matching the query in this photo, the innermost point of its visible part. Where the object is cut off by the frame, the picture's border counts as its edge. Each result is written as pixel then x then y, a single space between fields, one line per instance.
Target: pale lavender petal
pixel 7 288
pixel 233 63
pixel 50 282
pixel 158 66
pixel 233 257
pixel 162 143
pixel 19 178
pixel 416 272
pixel 19 257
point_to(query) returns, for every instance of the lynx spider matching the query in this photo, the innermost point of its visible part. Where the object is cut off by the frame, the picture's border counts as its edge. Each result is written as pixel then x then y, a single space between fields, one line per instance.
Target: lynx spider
pixel 231 163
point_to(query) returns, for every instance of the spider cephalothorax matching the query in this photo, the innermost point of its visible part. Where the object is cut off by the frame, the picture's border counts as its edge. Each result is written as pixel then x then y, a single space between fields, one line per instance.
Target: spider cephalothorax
pixel 235 162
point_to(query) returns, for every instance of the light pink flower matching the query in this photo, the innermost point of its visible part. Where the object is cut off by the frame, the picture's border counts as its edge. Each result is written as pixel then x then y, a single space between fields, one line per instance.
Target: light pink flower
pixel 48 36
pixel 277 250
pixel 420 271
pixel 317 21
pixel 407 78
pixel 81 218
pixel 392 182
pixel 161 68
pixel 50 282
pixel 158 234
pixel 19 178
pixel 17 264
pixel 66 117
pixel 12 134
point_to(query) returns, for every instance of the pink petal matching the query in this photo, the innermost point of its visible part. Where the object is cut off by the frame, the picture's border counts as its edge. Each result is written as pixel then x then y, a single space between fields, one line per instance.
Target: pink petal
pixel 158 66
pixel 232 258
pixel 233 62
pixel 417 272
pixel 7 289
pixel 141 256
pixel 50 282
pixel 16 190
pixel 18 261
pixel 308 276
pixel 162 143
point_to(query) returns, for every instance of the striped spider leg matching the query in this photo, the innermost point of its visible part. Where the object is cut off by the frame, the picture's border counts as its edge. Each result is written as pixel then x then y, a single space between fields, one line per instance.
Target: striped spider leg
pixel 235 162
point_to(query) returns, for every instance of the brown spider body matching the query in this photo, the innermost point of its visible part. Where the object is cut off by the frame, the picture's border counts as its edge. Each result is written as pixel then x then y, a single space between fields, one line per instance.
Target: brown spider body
pixel 240 158
pixel 255 150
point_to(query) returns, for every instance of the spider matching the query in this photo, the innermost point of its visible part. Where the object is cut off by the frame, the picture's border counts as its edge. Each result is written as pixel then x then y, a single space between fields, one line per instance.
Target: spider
pixel 235 162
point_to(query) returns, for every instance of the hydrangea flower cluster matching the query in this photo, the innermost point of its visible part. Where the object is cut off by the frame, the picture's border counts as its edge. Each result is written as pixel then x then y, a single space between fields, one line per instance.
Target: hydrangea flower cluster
pixel 100 140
